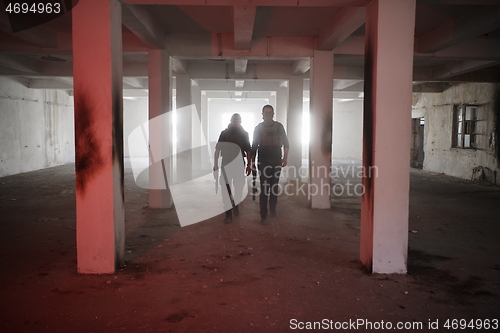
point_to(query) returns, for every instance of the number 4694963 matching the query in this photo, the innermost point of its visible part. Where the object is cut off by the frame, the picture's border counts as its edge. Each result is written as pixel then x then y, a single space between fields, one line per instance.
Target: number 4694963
pixel 35 8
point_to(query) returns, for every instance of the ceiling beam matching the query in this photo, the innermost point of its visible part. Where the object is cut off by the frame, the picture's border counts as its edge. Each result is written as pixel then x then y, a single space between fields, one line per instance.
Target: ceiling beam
pixel 352 45
pixel 240 66
pixel 203 70
pixel 64 79
pixel 460 2
pixel 348 73
pixel 250 85
pixel 482 48
pixel 300 67
pixel 180 66
pixel 138 20
pixel 341 26
pixel 358 86
pixel 345 84
pixel 244 19
pixel 288 3
pixel 435 74
pixel 491 74
pixel 131 43
pixel 344 96
pixel 49 83
pixel 135 93
pixel 244 95
pixel 55 82
pixel 217 70
pixel 454 69
pixel 39 36
pixel 430 87
pixel 472 24
pixel 7 71
pixel 22 64
pixel 134 82
pixel 221 46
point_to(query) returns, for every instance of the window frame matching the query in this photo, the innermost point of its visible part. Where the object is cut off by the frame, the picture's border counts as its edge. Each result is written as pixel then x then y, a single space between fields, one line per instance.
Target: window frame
pixel 463 127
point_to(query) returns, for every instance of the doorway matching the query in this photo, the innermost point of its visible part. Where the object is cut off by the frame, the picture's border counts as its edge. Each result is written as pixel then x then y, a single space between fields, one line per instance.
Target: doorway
pixel 417 143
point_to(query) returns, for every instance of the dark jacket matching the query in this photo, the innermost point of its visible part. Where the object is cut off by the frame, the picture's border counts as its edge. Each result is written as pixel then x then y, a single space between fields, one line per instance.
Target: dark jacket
pixel 236 135
pixel 268 140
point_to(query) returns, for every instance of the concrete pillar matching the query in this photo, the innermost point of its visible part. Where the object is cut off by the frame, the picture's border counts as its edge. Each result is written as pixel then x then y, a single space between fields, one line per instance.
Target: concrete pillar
pixel 197 135
pixel 386 134
pixel 160 133
pixel 282 105
pixel 184 129
pixel 208 152
pixel 294 125
pixel 97 71
pixel 272 101
pixel 320 143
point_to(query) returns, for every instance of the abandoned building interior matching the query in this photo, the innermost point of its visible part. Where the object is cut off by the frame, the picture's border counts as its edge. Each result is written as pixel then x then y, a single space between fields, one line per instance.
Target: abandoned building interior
pixel 403 87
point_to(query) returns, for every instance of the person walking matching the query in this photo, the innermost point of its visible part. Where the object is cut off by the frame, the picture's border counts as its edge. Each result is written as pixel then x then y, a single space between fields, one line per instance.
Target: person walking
pixel 232 142
pixel 268 139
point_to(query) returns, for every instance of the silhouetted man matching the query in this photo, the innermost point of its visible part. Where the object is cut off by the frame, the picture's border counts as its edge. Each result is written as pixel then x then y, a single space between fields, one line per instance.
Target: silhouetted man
pixel 268 138
pixel 232 141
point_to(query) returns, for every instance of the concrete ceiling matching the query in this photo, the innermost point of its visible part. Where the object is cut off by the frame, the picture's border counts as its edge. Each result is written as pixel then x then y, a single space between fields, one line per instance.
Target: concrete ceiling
pixel 455 40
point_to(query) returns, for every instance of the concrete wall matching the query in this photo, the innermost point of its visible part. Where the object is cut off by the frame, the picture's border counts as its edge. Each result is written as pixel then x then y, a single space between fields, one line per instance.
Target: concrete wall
pixel 347 129
pixel 36 128
pixel 251 112
pixel 438 110
pixel 135 113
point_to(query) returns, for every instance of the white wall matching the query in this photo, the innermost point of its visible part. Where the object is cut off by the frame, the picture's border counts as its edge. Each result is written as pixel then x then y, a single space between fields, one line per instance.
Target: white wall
pixel 36 128
pixel 347 129
pixel 135 113
pixel 219 107
pixel 439 154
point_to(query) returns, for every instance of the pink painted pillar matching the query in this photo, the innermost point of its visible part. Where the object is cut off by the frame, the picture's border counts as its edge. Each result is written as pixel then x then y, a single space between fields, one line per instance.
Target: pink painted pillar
pixel 320 142
pixel 386 134
pixel 97 72
pixel 160 103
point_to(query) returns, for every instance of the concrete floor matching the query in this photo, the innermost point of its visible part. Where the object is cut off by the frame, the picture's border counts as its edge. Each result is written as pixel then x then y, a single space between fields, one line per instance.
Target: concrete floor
pixel 244 276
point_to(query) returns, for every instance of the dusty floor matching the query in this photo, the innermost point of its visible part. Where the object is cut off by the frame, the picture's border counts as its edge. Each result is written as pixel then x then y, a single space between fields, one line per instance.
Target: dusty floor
pixel 244 276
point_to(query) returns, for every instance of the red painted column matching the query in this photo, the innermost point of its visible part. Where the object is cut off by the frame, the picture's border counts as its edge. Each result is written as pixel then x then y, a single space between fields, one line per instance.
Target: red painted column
pixel 160 133
pixel 386 134
pixel 320 143
pixel 97 72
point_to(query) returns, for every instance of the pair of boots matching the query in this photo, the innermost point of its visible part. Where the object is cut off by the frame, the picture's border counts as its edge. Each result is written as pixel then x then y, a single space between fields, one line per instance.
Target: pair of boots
pixel 229 214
